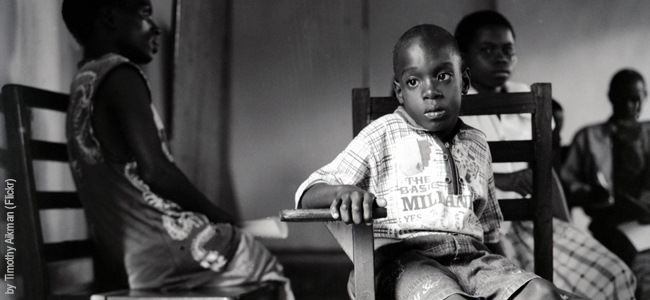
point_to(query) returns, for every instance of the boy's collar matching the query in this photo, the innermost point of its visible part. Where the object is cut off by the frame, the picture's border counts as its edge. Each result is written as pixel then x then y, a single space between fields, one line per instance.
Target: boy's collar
pixel 400 111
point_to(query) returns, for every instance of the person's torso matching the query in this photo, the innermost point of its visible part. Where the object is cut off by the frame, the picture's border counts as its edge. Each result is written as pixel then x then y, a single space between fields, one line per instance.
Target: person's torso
pixel 132 224
pixel 430 186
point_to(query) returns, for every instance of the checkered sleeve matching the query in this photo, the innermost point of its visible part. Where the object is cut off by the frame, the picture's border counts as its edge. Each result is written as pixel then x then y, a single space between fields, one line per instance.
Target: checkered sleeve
pixel 350 167
pixel 491 217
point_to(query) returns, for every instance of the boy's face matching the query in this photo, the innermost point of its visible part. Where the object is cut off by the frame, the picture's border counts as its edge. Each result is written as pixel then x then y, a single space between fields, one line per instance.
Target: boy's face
pixel 429 84
pixel 491 57
pixel 137 34
pixel 628 102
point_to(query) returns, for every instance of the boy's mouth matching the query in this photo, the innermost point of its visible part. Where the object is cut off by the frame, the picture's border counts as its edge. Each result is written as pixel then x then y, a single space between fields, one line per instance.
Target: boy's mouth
pixel 434 112
pixel 501 73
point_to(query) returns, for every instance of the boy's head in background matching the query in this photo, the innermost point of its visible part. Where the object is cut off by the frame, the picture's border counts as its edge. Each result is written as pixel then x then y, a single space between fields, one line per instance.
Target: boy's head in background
pixel 123 27
pixel 627 93
pixel 430 78
pixel 486 41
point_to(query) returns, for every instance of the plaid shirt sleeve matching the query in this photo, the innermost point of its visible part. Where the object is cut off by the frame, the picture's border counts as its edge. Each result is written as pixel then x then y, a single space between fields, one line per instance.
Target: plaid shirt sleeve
pixel 350 167
pixel 491 217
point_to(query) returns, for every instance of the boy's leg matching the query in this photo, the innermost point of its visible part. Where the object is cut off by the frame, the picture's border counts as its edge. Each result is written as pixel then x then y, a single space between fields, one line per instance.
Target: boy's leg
pixel 415 276
pixel 492 276
pixel 537 288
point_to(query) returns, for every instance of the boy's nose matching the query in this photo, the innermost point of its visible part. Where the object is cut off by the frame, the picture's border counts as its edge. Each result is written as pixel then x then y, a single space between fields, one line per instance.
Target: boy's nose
pixel 154 27
pixel 430 91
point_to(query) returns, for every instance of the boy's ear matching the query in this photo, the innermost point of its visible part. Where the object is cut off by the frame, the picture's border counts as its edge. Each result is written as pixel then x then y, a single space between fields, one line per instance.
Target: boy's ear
pixel 466 81
pixel 398 92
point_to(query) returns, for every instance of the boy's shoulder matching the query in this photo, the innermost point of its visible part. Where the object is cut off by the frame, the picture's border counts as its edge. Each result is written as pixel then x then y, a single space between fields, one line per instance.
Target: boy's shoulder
pixel 384 125
pixel 471 133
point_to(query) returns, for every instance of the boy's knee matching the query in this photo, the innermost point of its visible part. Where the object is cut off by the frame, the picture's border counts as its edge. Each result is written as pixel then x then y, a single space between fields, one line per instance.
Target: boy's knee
pixel 539 289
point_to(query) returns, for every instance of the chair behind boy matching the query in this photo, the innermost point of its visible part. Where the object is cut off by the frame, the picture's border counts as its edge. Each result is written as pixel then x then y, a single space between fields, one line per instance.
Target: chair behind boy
pixel 55 253
pixel 537 152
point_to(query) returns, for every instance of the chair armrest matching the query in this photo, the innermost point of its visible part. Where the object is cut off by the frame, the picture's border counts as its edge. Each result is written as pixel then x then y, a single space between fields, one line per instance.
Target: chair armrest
pixel 320 215
pixel 362 240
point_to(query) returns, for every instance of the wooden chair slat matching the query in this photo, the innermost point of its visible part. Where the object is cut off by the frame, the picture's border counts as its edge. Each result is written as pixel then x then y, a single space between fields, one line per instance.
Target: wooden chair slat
pixel 37 98
pixel 512 151
pixel 68 250
pixel 505 103
pixel 42 150
pixel 58 200
pixel 517 209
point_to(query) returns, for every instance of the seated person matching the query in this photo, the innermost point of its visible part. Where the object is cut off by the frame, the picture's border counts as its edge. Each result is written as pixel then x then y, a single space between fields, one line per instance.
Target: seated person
pixel 487 43
pixel 438 242
pixel 149 221
pixel 607 171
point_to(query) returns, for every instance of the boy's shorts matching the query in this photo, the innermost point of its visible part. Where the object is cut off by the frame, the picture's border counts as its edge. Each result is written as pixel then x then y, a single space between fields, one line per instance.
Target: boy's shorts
pixel 438 266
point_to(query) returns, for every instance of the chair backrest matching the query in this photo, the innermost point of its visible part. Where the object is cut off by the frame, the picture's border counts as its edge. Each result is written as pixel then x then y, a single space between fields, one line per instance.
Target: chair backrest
pixel 45 241
pixel 537 152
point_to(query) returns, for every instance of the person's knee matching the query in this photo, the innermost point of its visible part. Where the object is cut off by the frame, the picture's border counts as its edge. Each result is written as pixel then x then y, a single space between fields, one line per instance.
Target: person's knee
pixel 539 289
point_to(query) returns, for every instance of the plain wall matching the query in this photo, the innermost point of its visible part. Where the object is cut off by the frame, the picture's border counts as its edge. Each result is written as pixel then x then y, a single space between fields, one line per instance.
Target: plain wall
pixel 578 46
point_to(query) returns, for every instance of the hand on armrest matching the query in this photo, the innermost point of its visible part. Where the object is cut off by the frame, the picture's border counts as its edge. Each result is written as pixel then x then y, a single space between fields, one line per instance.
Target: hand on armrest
pixel 349 203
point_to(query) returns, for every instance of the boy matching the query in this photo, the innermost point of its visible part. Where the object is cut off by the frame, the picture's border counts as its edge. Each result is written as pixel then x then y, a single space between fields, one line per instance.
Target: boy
pixel 153 228
pixel 487 42
pixel 433 174
pixel 607 171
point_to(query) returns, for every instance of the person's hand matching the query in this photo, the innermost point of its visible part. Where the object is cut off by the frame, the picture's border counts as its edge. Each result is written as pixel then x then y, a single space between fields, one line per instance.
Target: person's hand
pixel 520 182
pixel 354 205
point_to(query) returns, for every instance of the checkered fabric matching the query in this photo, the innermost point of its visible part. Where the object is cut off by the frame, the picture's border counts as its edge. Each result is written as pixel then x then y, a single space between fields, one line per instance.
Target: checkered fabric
pixel 581 264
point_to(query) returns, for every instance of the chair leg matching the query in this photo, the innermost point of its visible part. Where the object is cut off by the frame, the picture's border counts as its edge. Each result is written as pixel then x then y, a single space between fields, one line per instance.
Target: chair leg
pixel 364 262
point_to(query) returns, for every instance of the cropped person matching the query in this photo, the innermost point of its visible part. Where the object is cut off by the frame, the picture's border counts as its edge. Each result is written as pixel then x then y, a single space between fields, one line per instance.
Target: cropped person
pixel 433 174
pixel 152 226
pixel 607 172
pixel 581 265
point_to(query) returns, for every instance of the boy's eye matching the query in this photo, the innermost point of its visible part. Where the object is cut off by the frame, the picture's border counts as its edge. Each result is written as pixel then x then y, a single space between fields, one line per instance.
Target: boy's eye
pixel 146 12
pixel 487 50
pixel 444 76
pixel 508 50
pixel 412 82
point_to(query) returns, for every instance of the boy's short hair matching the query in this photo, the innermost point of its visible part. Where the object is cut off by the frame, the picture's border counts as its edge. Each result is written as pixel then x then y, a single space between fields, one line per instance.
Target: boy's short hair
pixel 472 23
pixel 80 15
pixel 427 32
pixel 622 79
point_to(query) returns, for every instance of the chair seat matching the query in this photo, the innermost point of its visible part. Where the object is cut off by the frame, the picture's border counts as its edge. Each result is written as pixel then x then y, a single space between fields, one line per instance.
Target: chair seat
pixel 261 291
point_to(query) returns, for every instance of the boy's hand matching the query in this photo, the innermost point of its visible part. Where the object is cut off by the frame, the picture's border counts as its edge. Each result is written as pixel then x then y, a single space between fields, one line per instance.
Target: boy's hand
pixel 354 205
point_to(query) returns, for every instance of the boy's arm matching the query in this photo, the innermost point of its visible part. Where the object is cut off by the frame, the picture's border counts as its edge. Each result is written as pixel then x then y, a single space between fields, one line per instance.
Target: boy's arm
pixel 496 248
pixel 491 216
pixel 125 92
pixel 520 182
pixel 349 202
pixel 580 190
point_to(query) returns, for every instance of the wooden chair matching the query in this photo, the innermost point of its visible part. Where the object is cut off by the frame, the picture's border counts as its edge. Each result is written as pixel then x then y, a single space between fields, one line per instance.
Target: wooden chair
pixel 537 152
pixel 38 256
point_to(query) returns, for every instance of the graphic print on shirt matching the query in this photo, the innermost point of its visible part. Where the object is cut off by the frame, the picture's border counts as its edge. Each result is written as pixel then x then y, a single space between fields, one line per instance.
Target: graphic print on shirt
pixel 84 141
pixel 422 201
